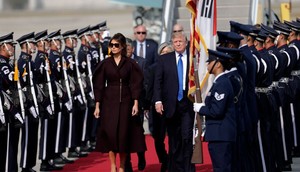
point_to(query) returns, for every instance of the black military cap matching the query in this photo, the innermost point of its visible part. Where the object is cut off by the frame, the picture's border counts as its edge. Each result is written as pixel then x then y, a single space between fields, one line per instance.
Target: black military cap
pixel 70 34
pixel 8 39
pixel 261 36
pixel 281 28
pixel 270 32
pixel 41 36
pixel 254 31
pixel 225 37
pixel 298 20
pixel 295 26
pixel 26 38
pixel 233 52
pixel 84 31
pixel 55 35
pixel 239 28
pixel 103 26
pixel 216 55
pixel 95 28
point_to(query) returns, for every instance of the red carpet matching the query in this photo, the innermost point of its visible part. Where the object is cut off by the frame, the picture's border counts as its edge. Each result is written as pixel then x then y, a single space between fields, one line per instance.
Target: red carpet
pixel 97 162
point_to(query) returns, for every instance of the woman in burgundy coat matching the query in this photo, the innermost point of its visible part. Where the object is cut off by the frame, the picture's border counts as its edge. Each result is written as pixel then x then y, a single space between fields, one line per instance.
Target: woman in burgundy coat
pixel 117 86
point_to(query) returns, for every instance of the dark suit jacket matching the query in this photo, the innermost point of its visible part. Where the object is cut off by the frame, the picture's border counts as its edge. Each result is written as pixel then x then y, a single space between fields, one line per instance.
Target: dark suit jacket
pixel 142 100
pixel 166 83
pixel 151 51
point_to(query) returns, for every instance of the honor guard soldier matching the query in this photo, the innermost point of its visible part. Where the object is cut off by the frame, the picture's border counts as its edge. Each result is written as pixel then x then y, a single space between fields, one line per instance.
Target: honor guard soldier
pixel 294 45
pixel 62 105
pixel 47 139
pixel 73 91
pixel 85 69
pixel 27 83
pixel 282 147
pixel 104 39
pixel 219 110
pixel 289 95
pixel 95 45
pixel 13 120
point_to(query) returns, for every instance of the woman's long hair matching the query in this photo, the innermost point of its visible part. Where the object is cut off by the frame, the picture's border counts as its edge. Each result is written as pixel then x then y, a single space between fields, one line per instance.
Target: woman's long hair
pixel 120 38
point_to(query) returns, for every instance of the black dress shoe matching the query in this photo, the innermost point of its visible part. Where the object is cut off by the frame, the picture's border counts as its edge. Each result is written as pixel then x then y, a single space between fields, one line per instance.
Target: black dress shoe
pixel 28 170
pixel 49 167
pixel 142 164
pixel 128 167
pixel 163 167
pixel 287 168
pixel 77 154
pixel 66 160
pixel 86 149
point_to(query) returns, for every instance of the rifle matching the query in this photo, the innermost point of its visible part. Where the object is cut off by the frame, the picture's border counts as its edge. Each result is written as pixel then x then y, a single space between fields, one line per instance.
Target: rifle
pixel 66 79
pixel 90 75
pixel 2 116
pixel 80 80
pixel 197 157
pixel 32 88
pixel 20 92
pixel 47 68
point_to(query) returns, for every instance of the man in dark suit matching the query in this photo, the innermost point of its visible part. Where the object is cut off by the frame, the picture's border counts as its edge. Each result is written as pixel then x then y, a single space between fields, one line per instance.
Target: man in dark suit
pixel 170 97
pixel 146 48
pixel 141 62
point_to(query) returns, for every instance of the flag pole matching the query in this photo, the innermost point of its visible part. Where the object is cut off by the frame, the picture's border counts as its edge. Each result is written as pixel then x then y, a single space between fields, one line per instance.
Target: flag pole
pixel 197 157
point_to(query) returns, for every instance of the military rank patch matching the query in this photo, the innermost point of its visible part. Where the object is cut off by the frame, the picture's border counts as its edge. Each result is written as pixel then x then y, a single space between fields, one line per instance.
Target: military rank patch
pixel 219 96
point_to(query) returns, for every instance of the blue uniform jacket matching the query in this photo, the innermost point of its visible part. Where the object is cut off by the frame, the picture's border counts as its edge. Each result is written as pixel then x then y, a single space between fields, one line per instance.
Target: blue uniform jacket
pixel 220 111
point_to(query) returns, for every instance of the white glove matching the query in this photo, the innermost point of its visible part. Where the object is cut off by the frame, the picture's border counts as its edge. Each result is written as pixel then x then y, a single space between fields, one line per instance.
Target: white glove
pixel 49 110
pixel 11 76
pixel 68 105
pixel 197 106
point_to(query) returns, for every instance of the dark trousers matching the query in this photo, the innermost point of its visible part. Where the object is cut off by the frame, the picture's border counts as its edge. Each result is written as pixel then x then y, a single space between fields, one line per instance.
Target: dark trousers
pixel 13 148
pixel 29 141
pixel 47 139
pixel 221 154
pixel 180 132
pixel 159 133
pixel 3 149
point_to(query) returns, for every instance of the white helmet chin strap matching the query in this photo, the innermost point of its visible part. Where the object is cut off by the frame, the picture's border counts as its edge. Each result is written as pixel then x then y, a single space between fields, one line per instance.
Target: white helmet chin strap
pixel 32 50
pixel 57 46
pixel 9 52
pixel 90 43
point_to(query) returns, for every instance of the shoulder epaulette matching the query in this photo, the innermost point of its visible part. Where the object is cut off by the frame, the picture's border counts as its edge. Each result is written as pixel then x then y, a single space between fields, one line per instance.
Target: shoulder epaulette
pixel 55 53
pixel 2 60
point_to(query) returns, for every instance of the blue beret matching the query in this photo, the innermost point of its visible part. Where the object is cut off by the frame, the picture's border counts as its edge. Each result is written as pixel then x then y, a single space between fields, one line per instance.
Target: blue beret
pixel 216 55
pixel 26 38
pixel 7 39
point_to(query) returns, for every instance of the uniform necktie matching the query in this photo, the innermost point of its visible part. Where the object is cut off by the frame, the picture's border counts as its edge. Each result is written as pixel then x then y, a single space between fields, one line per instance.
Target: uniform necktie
pixel 141 50
pixel 180 78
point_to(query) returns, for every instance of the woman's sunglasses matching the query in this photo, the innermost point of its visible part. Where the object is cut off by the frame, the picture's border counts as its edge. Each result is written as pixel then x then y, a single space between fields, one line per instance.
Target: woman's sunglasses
pixel 117 45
